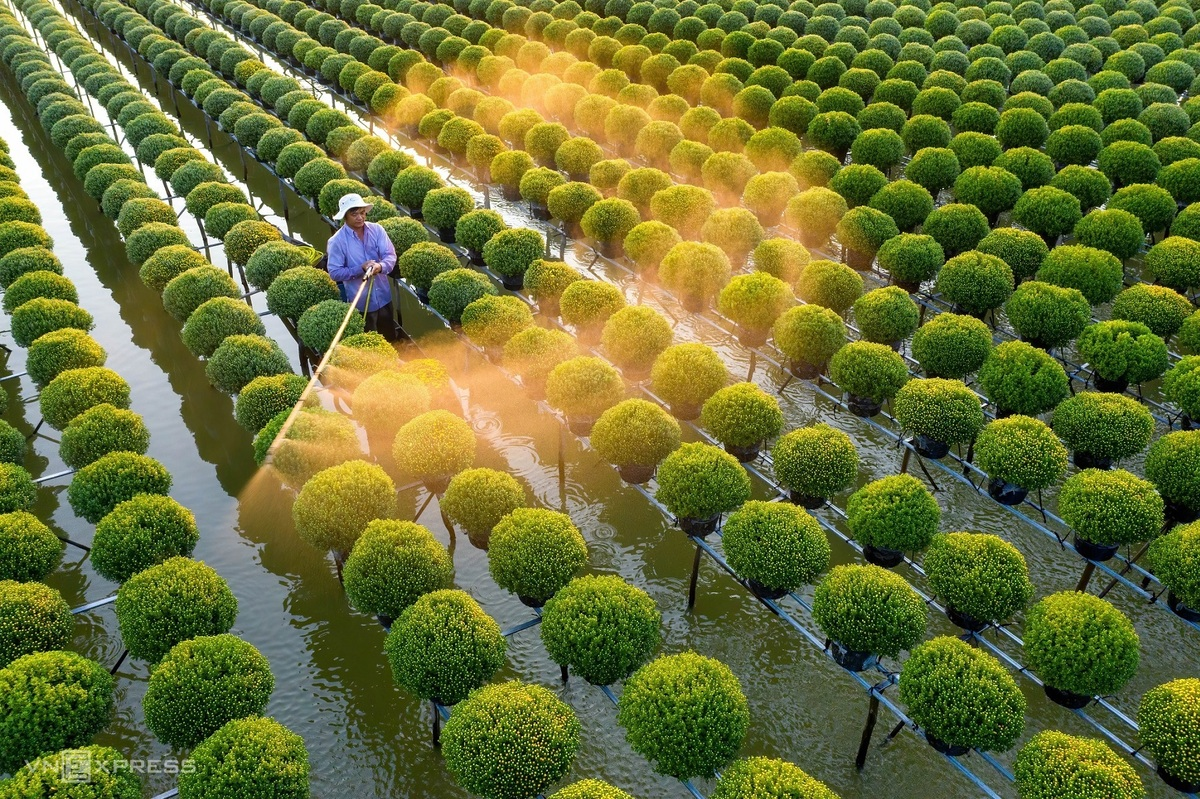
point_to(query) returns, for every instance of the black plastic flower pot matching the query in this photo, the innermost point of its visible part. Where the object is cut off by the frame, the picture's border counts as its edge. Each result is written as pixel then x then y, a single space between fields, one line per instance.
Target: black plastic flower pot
pixel 1086 460
pixel 766 593
pixel 539 211
pixel 928 447
pixel 611 249
pixel 1186 423
pixel 479 540
pixel 1180 514
pixel 1176 783
pixel 954 750
pixel 530 602
pixel 805 370
pixel 812 242
pixel 580 425
pixel 422 295
pixel 548 306
pixel 1182 610
pixel 446 234
pixel 1094 551
pixel 693 303
pixel 1068 699
pixel 635 473
pixel 510 193
pixel 699 527
pixel 436 485
pixel 475 257
pixel 1114 386
pixel 513 282
pixel 685 413
pixel 864 407
pixel 960 619
pixel 911 286
pixel 806 500
pixel 851 659
pixel 385 621
pixel 859 261
pixel 744 454
pixel 751 338
pixel 1006 493
pixel 882 556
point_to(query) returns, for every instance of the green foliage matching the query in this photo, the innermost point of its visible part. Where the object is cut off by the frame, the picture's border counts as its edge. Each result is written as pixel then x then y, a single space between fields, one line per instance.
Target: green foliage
pixel 33 618
pixel 264 397
pixel 1173 558
pixel 73 391
pixel 535 351
pixel 869 609
pixel 1120 350
pixel 51 775
pixel 1103 425
pixel 168 263
pixel 1111 507
pixel 188 291
pixel 699 481
pixel 17 491
pixel 392 565
pixel 150 238
pixel 1174 263
pixel 1054 765
pixel 452 291
pixel 1048 314
pixel 240 359
pixel 388 399
pixel 809 333
pixel 202 684
pixel 775 545
pixel 100 430
pixel 491 321
pixel 601 627
pixel 318 325
pixel 27 259
pixel 1159 308
pixel 434 446
pixel 1172 465
pixel 1080 643
pixel 141 532
pixel 962 695
pixel 982 576
pixel 535 552
pixel 686 375
pixel 742 415
pixel 1182 385
pixel 510 741
pixel 943 410
pixel 1097 274
pixel 635 432
pixel 816 461
pixel 215 320
pixel 50 701
pixel 1020 378
pixel 28 549
pixel 864 369
pixel 475 228
pixel 170 602
pixel 1021 451
pixel 957 227
pixel 248 757
pixel 43 315
pixel 587 304
pixel 510 252
pixel 685 713
pixel 952 345
pixel 336 504
pixel 477 499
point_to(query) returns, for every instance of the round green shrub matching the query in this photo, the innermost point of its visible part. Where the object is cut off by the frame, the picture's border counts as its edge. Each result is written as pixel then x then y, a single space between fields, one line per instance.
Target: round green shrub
pixel 1021 451
pixel 170 602
pixel 1173 558
pixel 1171 465
pixel 33 285
pixel 896 513
pixel 911 258
pixel 685 713
pixel 202 684
pixel 990 189
pixel 336 505
pixel 41 315
pixel 686 375
pixel 476 499
pixel 27 259
pixel 1080 643
pixel 942 410
pixel 1111 507
pixel 255 752
pixel 443 645
pixel 1095 273
pixel 434 446
pixel 962 696
pixel 1022 379
pixel 886 315
pixel 635 432
pixel 867 370
pixel 28 549
pixel 763 778
pixel 975 282
pixel 17 491
pixel 699 481
pixel 809 334
pixel 1182 385
pixel 50 701
pixel 981 576
pixel 525 727
pixel 100 430
pixel 293 291
pixel 510 252
pixel 956 227
pixel 774 545
pixel 1109 426
pixel 451 292
pixel 141 532
pixel 191 289
pixel 33 618
pixel 1172 262
pixel 601 627
pixel 318 325
pixel 1119 350
pixel 239 359
pixel 952 345
pixel 215 320
pixel 869 609
pixel 1159 308
pixel 74 391
pixel 816 461
pixel 1167 728
pixel 51 775
pixel 742 416
pixel 392 565
pixel 535 552
pixel 1053 765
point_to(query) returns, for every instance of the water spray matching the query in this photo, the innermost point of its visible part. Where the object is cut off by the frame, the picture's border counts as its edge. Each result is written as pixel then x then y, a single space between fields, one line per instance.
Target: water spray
pixel 366 286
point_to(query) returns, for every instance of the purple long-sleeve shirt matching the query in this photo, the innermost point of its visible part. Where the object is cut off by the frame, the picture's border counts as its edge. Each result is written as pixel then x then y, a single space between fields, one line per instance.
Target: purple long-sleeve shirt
pixel 347 253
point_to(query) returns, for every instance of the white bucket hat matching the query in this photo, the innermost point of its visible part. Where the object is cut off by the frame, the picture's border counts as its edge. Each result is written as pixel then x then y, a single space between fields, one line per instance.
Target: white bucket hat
pixel 348 203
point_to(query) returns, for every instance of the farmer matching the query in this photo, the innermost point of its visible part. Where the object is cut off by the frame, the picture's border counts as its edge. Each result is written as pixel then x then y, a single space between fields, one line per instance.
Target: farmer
pixel 360 250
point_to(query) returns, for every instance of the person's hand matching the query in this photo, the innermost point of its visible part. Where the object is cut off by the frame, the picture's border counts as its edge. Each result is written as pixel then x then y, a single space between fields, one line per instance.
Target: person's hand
pixel 371 268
